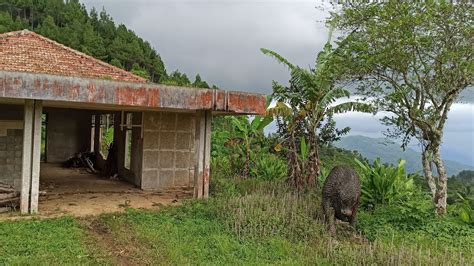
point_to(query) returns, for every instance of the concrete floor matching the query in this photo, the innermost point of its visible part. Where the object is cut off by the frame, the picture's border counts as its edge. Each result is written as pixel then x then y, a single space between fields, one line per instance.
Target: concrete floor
pixel 76 192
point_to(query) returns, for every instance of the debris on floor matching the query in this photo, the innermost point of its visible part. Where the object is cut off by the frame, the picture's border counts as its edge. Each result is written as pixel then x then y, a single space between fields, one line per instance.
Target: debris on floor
pixel 82 160
pixel 8 196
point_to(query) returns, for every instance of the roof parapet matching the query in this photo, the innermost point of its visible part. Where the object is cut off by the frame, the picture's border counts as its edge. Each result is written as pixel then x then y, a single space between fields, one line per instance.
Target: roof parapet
pixel 23 85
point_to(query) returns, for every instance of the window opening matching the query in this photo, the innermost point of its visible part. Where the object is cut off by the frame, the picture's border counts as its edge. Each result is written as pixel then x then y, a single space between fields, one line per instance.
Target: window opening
pixel 128 141
pixel 106 133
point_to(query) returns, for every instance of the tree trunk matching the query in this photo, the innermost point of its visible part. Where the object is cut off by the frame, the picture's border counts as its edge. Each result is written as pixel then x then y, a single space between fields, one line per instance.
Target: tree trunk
pixel 294 166
pixel 428 172
pixel 314 164
pixel 441 196
pixel 313 161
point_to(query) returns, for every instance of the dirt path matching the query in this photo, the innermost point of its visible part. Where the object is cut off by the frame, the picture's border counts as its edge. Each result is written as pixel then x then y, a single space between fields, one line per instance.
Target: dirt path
pixel 65 191
pixel 105 244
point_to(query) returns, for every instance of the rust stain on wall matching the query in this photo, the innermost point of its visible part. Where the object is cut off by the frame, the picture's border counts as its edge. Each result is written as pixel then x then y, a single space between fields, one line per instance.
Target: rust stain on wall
pixel 22 85
pixel 250 103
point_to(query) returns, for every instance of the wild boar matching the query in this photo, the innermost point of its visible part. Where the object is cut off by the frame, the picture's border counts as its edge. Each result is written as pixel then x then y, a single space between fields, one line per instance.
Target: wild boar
pixel 341 193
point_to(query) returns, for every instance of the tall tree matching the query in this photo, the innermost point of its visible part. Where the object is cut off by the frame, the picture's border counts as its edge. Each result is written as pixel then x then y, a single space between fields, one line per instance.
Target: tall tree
pixel 413 59
pixel 199 83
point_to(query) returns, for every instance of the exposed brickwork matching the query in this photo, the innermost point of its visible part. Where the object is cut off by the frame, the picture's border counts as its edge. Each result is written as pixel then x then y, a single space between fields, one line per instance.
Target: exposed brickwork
pixel 26 51
pixel 168 150
pixel 11 157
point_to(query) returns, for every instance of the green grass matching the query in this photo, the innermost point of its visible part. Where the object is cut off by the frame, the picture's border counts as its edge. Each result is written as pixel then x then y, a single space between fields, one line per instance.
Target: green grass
pixel 54 241
pixel 248 222
pixel 183 236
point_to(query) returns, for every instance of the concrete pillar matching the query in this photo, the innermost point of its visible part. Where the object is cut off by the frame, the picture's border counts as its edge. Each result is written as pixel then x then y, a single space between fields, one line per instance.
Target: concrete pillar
pixel 203 154
pixel 31 156
pixel 36 157
pixel 26 161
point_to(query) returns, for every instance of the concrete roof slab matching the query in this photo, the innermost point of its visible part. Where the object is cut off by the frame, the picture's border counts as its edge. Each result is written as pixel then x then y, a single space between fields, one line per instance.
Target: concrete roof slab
pixel 23 85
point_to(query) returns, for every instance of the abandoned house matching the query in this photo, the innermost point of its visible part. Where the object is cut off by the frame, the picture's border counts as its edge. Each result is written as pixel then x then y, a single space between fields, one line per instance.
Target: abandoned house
pixel 56 102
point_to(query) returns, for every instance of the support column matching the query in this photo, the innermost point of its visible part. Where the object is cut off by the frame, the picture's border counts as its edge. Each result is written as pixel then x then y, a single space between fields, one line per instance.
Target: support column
pixel 36 157
pixel 203 154
pixel 207 153
pixel 31 156
pixel 26 162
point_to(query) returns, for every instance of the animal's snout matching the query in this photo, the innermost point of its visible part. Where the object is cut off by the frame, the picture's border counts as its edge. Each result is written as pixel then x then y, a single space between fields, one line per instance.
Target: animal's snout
pixel 347 212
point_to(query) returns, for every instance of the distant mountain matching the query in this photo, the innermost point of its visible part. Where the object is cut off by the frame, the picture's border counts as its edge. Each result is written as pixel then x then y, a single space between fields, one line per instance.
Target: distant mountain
pixel 373 148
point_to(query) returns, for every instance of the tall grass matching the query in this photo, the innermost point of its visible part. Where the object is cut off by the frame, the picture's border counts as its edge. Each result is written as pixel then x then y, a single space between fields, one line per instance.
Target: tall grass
pixel 272 209
pixel 258 211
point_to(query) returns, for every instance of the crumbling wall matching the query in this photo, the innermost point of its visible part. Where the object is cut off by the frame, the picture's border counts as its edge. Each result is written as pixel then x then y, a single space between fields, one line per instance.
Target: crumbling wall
pixel 11 144
pixel 68 132
pixel 168 150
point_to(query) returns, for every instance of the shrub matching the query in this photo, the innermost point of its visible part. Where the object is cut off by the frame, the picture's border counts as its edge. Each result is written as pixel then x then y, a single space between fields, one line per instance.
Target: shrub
pixel 324 172
pixel 415 221
pixel 270 167
pixel 384 184
pixel 465 211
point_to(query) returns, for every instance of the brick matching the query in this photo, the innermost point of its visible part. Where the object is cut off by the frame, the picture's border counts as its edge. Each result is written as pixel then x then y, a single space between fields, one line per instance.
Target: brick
pixel 166 179
pixel 166 159
pixel 182 160
pixel 181 178
pixel 152 121
pixel 185 122
pixel 183 141
pixel 168 121
pixel 151 140
pixel 150 179
pixel 150 159
pixel 167 140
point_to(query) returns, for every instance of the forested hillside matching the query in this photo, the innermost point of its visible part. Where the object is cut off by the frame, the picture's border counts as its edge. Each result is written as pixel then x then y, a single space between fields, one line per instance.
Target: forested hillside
pixel 373 148
pixel 92 32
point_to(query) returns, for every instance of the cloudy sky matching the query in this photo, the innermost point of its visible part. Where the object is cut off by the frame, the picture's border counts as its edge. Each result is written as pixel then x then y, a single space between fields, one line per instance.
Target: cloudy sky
pixel 220 39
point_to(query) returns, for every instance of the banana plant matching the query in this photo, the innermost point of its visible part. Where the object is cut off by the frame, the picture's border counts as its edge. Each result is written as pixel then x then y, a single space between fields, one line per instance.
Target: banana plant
pixel 246 134
pixel 303 107
pixel 466 212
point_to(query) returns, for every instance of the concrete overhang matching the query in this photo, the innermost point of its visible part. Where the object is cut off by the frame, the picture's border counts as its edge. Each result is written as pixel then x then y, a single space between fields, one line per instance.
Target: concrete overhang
pixel 23 85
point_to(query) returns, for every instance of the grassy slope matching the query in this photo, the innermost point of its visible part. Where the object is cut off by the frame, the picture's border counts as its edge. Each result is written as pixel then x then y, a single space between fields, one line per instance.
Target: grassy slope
pixel 250 231
pixel 55 241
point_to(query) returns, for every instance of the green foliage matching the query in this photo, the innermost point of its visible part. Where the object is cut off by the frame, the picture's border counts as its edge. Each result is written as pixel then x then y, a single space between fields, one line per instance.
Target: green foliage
pixel 412 59
pixel 332 156
pixel 270 167
pixel 384 184
pixel 466 175
pixel 398 223
pixel 465 210
pixel 261 223
pixel 403 54
pixel 304 113
pixel 242 139
pixel 177 78
pixel 199 83
pixel 137 70
pixel 116 63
